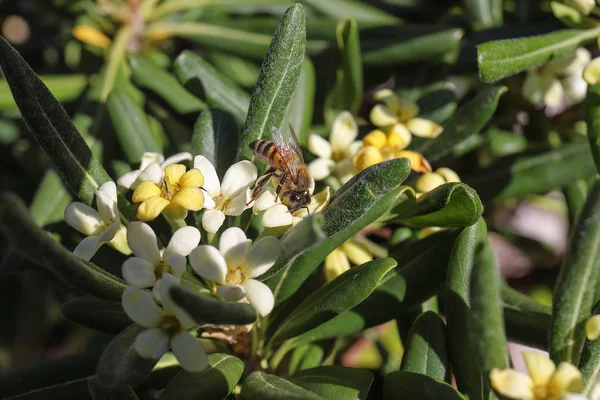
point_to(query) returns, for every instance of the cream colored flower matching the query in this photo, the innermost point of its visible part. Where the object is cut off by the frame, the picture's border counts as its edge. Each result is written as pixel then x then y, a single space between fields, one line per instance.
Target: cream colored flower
pixel 335 155
pixel 102 226
pixel 592 327
pixel 357 250
pixel 544 382
pixel 431 180
pixel 591 72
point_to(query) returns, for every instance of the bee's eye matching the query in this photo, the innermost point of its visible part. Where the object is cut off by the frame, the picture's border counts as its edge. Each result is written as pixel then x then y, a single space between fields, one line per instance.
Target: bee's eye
pixel 297 197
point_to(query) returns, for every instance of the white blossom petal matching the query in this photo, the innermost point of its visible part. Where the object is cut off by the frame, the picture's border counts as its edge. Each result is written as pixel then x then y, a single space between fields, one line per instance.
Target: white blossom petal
pixel 151 343
pixel 127 180
pixel 138 272
pixel 87 248
pixel 343 132
pixel 262 256
pixel 189 352
pixel 142 241
pixel 277 216
pixel 355 148
pixel 236 256
pixel 209 263
pixel 319 146
pixel 212 220
pixel 176 158
pixel 177 263
pixel 106 201
pixel 183 241
pixel 109 233
pixel 212 185
pixel 231 237
pixel 575 88
pixel 260 296
pixel 382 116
pixel 209 203
pixel 237 205
pixel 141 308
pixel 321 168
pixel 150 158
pixel 345 170
pixel 239 177
pixel 232 292
pixel 152 172
pixel 266 200
pixel 84 219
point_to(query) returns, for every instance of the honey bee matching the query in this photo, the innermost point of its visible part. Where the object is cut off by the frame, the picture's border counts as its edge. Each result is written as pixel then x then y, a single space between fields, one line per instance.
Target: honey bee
pixel 284 157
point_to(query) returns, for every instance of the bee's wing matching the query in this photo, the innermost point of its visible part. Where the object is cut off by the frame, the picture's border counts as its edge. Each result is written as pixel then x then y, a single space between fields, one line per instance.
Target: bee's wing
pixel 290 150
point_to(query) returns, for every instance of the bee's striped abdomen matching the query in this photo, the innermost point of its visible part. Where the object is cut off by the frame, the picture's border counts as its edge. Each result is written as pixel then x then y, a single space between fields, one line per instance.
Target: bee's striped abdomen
pixel 267 151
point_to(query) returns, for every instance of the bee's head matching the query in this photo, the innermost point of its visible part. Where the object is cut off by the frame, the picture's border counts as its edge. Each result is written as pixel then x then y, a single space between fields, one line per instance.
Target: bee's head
pixel 298 200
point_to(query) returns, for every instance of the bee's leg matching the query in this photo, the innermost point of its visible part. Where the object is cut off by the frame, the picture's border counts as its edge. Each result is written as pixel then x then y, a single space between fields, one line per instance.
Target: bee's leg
pixel 260 183
pixel 280 186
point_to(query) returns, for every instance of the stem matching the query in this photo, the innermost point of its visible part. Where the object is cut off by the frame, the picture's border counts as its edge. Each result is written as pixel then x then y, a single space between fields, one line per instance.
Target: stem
pixel 176 223
pixel 279 355
pixel 115 57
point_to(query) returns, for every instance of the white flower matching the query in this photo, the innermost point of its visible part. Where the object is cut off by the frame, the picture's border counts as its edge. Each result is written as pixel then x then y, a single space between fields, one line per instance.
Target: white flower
pixel 336 154
pixel 149 266
pixel 102 226
pixel 167 327
pixel 228 197
pixel 151 169
pixel 235 263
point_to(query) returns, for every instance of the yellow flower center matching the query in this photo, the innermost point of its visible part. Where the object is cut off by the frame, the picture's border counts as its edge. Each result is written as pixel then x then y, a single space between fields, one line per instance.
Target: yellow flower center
pixel 171 325
pixel 235 276
pixel 221 202
pixel 162 268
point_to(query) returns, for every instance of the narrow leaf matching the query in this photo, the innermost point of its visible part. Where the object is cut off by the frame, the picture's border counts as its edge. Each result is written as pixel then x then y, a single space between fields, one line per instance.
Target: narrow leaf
pixel 412 385
pixel 243 72
pixel 527 321
pixel 358 10
pixel 484 13
pixel 575 287
pixel 101 392
pixel 590 361
pixel 102 315
pixel 592 118
pixel 277 80
pixel 263 386
pixel 50 200
pixel 64 88
pixel 335 382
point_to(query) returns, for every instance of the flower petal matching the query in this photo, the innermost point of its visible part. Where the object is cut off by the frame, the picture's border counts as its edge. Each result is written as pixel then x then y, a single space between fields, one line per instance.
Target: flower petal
pixel 539 366
pixel 209 263
pixel 141 308
pixel 165 284
pixel 176 158
pixel 142 241
pixel 138 272
pixel 151 208
pixel 232 292
pixel 150 158
pixel 321 168
pixel 336 263
pixel 119 241
pixel 209 203
pixel 109 233
pixel 239 177
pixel 128 179
pixel 174 172
pixel 345 170
pixel 231 237
pixel 277 216
pixel 189 352
pixel 424 128
pixel 319 146
pixel 429 181
pixel 356 253
pixel 238 204
pixel 212 185
pixel 153 173
pixel 382 116
pixel 190 198
pixel 212 220
pixel 236 256
pixel 267 199
pixel 343 132
pixel 192 178
pixel 262 256
pixel 151 343
pixel 84 219
pixel 87 247
pixel 399 137
pixel 567 378
pixel 183 241
pixel 260 296
pixel 177 263
pixel 592 327
pixel 106 201
pixel 511 383
pixel 145 190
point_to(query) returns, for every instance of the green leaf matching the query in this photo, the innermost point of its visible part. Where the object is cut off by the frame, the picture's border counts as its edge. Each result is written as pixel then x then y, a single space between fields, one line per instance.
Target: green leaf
pixel 484 13
pixel 592 118
pixel 488 340
pixel 215 137
pixel 243 72
pixel 132 127
pixel 573 294
pixel 299 112
pixel 522 175
pixel 336 382
pixel 425 352
pixel 336 297
pixel 205 81
pixel 470 118
pixel 101 392
pixel 575 195
pixel 52 127
pixel 360 11
pixel 412 385
pixel 204 309
pixel 304 357
pixel 64 88
pixel 34 244
pixel 102 315
pixel 215 382
pixel 50 200
pixel 449 205
pixel 263 386
pixel 75 389
pixel 115 59
pixel 590 361
pixel 146 74
pixel 346 94
pixel 277 81
pixel 458 310
pixel 502 58
pixel 120 364
pixel 526 320
pixel 419 45
pixel 363 199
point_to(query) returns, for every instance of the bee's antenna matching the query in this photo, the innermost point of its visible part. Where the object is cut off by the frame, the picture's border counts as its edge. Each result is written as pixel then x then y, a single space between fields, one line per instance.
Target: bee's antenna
pixel 307 210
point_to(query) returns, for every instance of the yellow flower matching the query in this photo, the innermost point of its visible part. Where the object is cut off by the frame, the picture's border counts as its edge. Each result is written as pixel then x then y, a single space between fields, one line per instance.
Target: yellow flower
pixel 592 327
pixel 431 180
pixel 544 382
pixel 591 73
pixel 178 192
pixel 90 35
pixel 397 111
pixel 357 250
